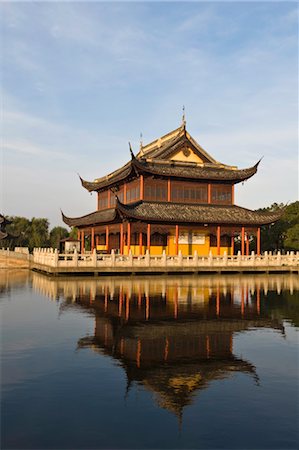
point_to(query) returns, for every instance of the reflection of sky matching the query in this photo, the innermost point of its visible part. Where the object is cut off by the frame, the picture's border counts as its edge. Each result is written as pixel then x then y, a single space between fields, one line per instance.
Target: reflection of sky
pixel 57 397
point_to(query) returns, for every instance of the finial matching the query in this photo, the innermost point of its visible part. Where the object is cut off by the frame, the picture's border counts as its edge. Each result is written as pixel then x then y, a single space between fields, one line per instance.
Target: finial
pixel 183 118
pixel 141 143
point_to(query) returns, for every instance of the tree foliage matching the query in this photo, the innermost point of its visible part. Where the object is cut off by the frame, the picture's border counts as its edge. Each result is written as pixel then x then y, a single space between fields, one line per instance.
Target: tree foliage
pixel 56 234
pixel 283 234
pixel 32 233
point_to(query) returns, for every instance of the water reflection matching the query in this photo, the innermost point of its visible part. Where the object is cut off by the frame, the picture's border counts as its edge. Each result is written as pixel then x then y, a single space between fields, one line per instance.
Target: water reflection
pixel 13 278
pixel 175 335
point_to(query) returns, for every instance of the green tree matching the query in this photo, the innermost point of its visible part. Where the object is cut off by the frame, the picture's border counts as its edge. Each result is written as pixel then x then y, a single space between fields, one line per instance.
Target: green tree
pixel 291 241
pixel 283 234
pixel 39 233
pixel 74 233
pixel 56 234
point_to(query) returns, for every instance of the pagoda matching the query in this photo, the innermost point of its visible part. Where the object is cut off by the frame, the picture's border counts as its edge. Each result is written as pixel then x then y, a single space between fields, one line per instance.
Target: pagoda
pixel 170 197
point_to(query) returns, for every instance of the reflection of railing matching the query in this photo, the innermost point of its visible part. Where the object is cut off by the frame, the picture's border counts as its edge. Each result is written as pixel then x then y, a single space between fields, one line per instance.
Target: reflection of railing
pixel 51 258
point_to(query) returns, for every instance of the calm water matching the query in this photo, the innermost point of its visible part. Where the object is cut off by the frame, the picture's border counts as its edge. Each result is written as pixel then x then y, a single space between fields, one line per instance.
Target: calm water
pixel 133 363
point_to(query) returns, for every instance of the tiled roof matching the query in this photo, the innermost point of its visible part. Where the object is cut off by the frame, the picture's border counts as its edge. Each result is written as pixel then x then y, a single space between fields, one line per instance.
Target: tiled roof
pixel 173 169
pixel 156 159
pixel 193 171
pixel 176 213
pixel 97 217
pixel 192 213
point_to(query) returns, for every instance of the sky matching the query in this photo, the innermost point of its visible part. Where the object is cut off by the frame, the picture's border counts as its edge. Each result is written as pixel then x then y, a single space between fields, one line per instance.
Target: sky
pixel 79 80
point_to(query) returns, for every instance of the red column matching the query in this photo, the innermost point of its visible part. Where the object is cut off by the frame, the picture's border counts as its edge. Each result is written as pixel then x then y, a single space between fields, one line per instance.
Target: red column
pixel 168 190
pixel 247 245
pixel 82 242
pixel 232 244
pixel 218 239
pixel 107 238
pixel 121 238
pixel 140 243
pixel 78 235
pixel 258 241
pixel 209 193
pixel 141 187
pixel 242 240
pixel 129 235
pixel 148 244
pixel 92 239
pixel 176 239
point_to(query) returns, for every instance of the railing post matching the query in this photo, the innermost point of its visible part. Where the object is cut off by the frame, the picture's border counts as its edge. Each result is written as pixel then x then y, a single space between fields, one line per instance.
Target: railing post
pixel 210 259
pixel 94 258
pixel 75 258
pixel 180 258
pixel 164 259
pixel 55 261
pixel 224 258
pixel 147 258
pixel 239 258
pixel 266 258
pixel 253 258
pixel 279 258
pixel 130 259
pixel 195 258
pixel 112 258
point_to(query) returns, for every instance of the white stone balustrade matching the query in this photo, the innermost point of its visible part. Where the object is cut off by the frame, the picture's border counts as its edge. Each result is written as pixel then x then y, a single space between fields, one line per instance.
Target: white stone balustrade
pixel 51 258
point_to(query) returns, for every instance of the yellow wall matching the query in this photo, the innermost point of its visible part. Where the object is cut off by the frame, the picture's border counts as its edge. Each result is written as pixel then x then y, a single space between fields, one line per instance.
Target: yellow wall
pixel 186 249
pixel 192 157
pixel 189 249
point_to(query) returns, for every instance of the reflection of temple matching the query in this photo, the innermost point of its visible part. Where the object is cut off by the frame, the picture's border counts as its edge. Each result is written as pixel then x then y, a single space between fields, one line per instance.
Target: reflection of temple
pixel 172 336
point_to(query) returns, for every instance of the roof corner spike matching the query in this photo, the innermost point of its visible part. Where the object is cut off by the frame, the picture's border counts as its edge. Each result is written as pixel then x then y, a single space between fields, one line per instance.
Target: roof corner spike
pixel 131 151
pixel 81 179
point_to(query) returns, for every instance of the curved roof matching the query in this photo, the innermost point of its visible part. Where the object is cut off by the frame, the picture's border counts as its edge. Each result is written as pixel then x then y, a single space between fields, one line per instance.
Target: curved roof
pixel 176 213
pixel 217 173
pixel 156 158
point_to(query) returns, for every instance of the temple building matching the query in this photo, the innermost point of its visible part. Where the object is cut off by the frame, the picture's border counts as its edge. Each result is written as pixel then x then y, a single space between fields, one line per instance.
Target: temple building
pixel 174 197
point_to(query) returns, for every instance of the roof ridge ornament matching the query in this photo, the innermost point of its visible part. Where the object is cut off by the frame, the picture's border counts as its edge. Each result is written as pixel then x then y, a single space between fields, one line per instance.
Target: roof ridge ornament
pixel 184 119
pixel 141 145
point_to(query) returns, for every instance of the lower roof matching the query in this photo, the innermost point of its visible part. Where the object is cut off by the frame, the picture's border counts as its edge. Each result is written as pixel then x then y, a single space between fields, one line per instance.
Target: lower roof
pixel 175 213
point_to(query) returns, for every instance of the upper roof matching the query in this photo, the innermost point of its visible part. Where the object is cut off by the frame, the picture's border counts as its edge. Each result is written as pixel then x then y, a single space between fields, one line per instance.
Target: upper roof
pixel 175 155
pixel 156 212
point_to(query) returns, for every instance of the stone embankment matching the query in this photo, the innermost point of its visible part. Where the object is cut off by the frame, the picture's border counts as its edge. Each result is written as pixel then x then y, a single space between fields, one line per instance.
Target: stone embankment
pixel 18 259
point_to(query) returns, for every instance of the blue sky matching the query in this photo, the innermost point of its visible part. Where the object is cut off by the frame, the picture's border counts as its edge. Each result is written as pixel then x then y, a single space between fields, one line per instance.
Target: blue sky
pixel 80 80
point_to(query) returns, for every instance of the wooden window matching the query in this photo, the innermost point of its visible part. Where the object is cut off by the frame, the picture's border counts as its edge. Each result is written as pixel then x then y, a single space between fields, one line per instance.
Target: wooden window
pixel 133 191
pixel 221 194
pixel 155 190
pixel 103 200
pixel 187 192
